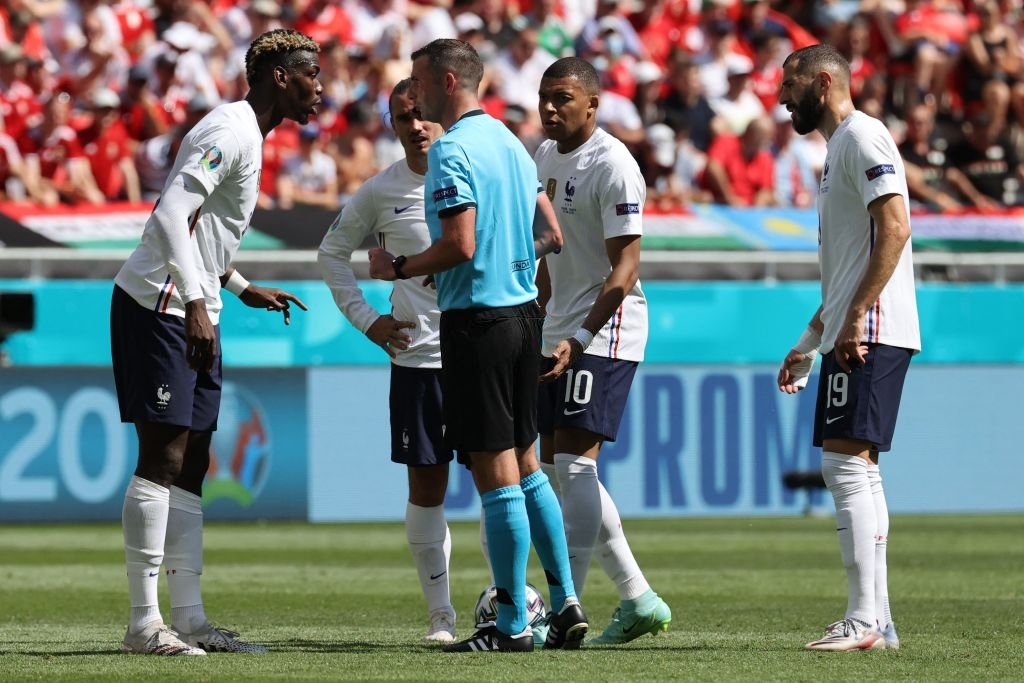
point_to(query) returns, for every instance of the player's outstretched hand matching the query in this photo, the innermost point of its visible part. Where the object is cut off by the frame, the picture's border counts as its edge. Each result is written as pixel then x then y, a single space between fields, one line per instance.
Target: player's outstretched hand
pixel 566 353
pixel 272 299
pixel 381 267
pixel 386 332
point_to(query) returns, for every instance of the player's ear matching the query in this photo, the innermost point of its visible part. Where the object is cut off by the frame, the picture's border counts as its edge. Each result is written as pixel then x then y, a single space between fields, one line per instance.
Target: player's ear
pixel 824 81
pixel 280 75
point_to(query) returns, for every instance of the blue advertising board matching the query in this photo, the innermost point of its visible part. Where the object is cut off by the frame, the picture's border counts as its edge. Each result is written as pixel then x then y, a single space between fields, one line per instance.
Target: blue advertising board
pixel 65 455
pixel 702 441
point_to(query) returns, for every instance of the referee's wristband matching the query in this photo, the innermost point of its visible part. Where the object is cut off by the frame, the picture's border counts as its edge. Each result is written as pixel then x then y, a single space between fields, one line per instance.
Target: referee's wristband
pixel 236 284
pixel 584 337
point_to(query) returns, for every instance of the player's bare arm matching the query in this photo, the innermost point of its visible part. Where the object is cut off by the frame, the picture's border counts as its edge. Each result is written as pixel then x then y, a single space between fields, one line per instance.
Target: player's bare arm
pixel 624 256
pixel 547 236
pixel 893 232
pixel 456 245
pixel 543 283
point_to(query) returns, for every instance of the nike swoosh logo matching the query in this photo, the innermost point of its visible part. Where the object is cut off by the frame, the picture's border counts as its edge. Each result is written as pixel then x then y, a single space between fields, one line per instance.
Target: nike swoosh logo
pixel 573 412
pixel 830 420
pixel 403 209
pixel 156 573
pixel 438 576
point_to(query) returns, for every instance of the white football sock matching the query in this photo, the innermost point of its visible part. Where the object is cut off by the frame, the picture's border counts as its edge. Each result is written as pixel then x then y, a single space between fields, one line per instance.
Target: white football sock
pixel 882 611
pixel 856 526
pixel 612 549
pixel 614 554
pixel 550 469
pixel 144 524
pixel 431 544
pixel 581 510
pixel 183 562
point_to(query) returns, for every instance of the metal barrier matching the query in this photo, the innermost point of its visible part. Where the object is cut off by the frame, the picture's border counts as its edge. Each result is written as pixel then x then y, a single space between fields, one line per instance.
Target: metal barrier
pixel 296 264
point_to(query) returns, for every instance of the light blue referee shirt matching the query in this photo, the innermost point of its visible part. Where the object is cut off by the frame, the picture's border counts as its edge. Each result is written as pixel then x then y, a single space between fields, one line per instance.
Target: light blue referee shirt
pixel 479 163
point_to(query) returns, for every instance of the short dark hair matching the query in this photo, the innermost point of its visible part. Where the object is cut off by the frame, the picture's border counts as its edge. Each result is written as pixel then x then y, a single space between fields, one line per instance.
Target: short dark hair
pixel 817 58
pixel 400 88
pixel 456 56
pixel 580 69
pixel 279 47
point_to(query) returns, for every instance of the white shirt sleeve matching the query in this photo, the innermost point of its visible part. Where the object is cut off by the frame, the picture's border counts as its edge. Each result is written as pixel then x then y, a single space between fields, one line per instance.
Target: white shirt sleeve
pixel 346 233
pixel 172 219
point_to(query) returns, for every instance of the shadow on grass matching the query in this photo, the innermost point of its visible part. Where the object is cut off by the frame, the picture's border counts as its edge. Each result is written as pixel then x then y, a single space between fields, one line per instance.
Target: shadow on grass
pixel 352 646
pixel 65 653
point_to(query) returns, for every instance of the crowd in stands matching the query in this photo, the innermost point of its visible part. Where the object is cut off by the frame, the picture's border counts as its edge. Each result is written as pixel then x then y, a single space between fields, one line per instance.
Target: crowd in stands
pixel 95 95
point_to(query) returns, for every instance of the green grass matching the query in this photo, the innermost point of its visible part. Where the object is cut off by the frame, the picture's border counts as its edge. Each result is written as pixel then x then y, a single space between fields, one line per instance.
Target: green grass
pixel 341 602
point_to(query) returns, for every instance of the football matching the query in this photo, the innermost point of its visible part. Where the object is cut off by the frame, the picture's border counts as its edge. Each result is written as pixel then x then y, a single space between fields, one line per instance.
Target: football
pixel 486 610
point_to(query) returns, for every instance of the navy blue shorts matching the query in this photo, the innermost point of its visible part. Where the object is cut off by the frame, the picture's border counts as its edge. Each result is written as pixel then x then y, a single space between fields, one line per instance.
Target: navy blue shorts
pixel 154 382
pixel 417 419
pixel 861 404
pixel 490 362
pixel 590 395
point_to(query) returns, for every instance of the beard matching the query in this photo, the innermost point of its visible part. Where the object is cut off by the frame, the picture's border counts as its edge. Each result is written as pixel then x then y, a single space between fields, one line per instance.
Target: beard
pixel 807 114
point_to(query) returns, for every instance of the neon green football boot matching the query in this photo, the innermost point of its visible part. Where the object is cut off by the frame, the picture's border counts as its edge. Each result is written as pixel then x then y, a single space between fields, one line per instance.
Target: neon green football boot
pixel 634 618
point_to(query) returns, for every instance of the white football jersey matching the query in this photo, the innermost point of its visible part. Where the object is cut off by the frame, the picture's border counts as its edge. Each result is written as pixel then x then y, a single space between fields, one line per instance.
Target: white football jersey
pixel 862 164
pixel 598 193
pixel 223 153
pixel 389 206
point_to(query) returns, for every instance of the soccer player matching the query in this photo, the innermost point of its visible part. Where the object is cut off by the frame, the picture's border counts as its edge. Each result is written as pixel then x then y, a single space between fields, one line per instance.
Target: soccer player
pixel 482 202
pixel 594 333
pixel 866 328
pixel 390 206
pixel 165 338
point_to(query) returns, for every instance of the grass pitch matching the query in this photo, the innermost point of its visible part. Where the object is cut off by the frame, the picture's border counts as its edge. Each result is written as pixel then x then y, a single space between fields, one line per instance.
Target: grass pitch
pixel 342 603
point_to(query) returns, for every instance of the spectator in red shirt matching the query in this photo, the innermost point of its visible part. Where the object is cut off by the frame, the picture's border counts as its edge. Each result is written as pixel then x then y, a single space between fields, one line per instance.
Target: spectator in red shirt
pixel 279 144
pixel 766 78
pixel 927 37
pixel 19 102
pixel 19 26
pixel 141 113
pixel 138 31
pixel 19 177
pixel 108 148
pixel 858 52
pixel 741 170
pixel 62 163
pixel 324 21
pixel 667 28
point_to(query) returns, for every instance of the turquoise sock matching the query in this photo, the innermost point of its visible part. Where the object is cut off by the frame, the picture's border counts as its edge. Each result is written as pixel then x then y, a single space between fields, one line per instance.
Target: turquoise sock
pixel 548 533
pixel 508 544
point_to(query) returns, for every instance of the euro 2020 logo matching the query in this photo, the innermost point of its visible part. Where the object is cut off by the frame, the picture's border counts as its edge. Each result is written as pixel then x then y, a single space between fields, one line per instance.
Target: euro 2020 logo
pixel 240 449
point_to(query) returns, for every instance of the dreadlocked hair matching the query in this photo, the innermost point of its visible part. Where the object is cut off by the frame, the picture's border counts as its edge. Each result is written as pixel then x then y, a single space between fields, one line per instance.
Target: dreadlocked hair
pixel 280 47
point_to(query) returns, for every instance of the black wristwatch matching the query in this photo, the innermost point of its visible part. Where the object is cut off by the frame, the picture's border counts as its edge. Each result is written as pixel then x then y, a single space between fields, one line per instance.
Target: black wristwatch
pixel 397 264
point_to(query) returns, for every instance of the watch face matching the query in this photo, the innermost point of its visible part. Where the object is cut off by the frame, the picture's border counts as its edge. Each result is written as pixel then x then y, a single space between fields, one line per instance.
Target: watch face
pixel 397 264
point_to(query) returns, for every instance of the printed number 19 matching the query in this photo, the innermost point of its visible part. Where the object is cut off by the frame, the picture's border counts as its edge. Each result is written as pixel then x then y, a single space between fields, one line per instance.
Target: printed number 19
pixel 837 389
